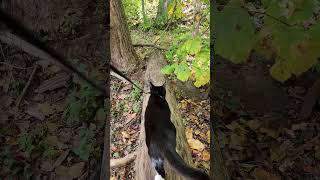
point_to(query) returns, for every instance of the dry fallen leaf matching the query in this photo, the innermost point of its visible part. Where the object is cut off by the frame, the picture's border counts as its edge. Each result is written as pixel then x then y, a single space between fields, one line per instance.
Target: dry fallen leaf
pixel 208 136
pixel 254 124
pixel 261 174
pixel 130 117
pixel 61 170
pixel 206 156
pixel 122 96
pixel 113 178
pixel 11 140
pixel 276 154
pixel 76 170
pixel 196 144
pixel 197 132
pixel 35 112
pixel 113 148
pixel 23 126
pixel 270 132
pixel 237 139
pixel 125 134
pixel 54 141
pixel 46 109
pixel 46 166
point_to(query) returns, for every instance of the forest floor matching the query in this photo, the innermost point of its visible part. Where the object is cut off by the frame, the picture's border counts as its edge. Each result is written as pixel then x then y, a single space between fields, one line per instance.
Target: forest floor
pixel 42 132
pixel 270 146
pixel 126 113
pixel 51 122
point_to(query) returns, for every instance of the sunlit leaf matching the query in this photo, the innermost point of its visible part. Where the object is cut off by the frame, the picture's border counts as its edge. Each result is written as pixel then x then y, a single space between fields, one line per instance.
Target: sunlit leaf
pixel 182 71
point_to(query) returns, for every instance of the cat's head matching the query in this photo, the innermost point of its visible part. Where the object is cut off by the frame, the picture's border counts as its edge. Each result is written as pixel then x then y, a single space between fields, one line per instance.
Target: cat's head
pixel 158 90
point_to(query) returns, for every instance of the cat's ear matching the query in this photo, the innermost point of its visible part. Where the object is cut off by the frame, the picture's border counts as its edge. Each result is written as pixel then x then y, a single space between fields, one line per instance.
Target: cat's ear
pixel 151 84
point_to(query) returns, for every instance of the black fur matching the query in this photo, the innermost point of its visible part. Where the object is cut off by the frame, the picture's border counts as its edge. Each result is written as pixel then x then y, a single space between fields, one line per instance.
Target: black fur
pixel 161 137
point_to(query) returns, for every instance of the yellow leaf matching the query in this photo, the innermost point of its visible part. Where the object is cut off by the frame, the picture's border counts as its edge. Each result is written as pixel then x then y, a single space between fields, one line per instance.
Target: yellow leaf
pixel 206 156
pixel 208 136
pixel 196 144
pixel 125 134
pixel 261 174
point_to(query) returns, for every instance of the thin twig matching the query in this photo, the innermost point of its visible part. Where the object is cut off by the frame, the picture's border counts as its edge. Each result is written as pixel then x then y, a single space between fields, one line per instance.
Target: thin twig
pixel 123 161
pixel 151 45
pixel 118 76
pixel 7 64
pixel 4 57
pixel 279 20
pixel 274 18
pixel 26 86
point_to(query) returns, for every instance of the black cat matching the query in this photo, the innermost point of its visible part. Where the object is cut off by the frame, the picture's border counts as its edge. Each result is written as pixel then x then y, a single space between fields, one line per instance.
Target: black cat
pixel 161 138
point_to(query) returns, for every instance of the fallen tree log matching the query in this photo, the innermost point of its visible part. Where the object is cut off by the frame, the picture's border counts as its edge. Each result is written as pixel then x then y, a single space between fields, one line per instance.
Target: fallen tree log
pixel 143 167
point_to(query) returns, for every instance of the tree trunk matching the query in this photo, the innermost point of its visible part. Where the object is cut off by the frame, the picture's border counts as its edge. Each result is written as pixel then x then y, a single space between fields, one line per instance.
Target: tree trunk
pixel 144 169
pixel 162 9
pixel 48 16
pixel 123 55
pixel 143 12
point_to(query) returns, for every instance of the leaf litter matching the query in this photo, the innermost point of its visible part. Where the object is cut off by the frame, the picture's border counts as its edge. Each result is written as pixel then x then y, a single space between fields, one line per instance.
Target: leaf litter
pixel 255 149
pixel 37 141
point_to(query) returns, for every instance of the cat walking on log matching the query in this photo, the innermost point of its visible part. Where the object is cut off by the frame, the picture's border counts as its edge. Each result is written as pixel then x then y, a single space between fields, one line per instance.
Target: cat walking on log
pixel 161 138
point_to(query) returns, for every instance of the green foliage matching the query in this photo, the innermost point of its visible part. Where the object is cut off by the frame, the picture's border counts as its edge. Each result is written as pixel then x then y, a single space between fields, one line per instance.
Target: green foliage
pixel 16 87
pixel 132 10
pixel 36 141
pixel 25 143
pixel 85 147
pixel 136 98
pixel 190 58
pixel 286 32
pixel 82 103
pixel 234 32
pixel 175 9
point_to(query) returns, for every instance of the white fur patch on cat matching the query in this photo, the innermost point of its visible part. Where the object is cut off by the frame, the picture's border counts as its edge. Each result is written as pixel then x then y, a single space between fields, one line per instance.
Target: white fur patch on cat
pixel 158 177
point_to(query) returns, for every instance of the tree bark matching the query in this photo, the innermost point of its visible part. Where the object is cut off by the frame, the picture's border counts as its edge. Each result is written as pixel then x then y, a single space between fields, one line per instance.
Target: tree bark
pixel 144 169
pixel 48 16
pixel 123 55
pixel 143 12
pixel 162 9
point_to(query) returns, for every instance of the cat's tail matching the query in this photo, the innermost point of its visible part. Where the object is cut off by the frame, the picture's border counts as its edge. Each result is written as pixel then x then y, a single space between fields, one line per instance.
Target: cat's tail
pixel 177 163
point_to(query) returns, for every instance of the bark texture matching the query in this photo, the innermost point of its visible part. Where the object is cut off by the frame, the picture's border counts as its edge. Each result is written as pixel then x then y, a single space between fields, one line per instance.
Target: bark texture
pixel 77 29
pixel 162 8
pixel 144 169
pixel 123 55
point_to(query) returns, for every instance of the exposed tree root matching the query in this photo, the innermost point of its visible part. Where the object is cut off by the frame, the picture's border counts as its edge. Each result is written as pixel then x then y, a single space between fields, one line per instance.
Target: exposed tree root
pixel 122 161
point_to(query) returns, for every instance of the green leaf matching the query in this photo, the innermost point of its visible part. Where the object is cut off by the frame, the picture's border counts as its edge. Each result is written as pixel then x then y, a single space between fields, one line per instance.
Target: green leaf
pixel 168 69
pixel 296 49
pixel 200 66
pixel 203 59
pixel 25 143
pixel 194 46
pixel 280 71
pixel 183 72
pixel 234 30
pixel 303 11
pixel 202 78
pixel 85 146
